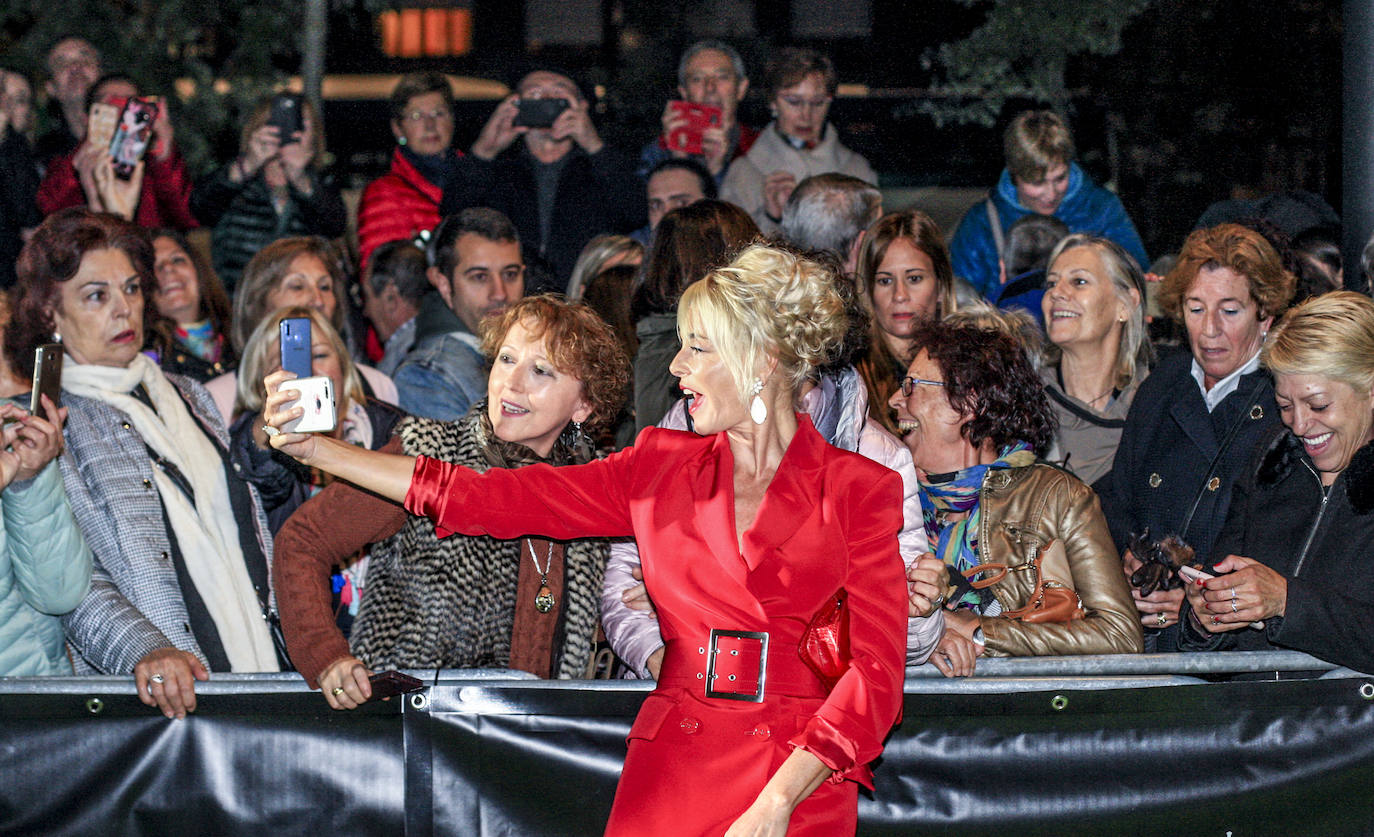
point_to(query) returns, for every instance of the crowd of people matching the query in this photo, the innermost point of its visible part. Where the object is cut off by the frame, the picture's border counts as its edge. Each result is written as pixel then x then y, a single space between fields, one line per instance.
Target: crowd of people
pixel 686 405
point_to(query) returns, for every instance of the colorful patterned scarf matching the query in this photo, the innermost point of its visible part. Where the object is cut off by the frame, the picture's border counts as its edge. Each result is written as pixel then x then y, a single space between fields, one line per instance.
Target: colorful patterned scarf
pixel 957 541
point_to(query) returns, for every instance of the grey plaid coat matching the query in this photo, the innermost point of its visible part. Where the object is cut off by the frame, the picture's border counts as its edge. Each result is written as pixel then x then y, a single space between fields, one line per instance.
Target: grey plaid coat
pixel 135 605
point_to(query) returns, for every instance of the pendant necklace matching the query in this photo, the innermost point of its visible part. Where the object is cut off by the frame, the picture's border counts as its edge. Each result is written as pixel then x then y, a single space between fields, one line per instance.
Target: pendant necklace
pixel 544 601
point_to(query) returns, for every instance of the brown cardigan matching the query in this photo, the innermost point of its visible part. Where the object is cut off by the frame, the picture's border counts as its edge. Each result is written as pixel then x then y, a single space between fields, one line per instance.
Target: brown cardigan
pixel 336 523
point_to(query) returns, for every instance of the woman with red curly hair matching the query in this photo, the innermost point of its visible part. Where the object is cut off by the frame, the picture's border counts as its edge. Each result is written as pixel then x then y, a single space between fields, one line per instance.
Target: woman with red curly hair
pixel 974 414
pixel 1198 418
pixel 528 603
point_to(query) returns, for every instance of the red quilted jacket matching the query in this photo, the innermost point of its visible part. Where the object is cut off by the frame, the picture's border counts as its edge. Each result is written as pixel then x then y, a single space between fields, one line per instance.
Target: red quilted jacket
pixel 164 202
pixel 398 204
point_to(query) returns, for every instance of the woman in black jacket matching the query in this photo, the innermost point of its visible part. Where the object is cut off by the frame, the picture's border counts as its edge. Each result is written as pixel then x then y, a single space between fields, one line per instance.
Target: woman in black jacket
pixel 1294 554
pixel 273 189
pixel 1199 417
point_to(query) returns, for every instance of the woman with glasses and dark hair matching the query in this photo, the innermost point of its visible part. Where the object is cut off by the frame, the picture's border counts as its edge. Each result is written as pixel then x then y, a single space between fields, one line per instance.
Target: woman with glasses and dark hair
pixel 798 143
pixel 974 415
pixel 405 200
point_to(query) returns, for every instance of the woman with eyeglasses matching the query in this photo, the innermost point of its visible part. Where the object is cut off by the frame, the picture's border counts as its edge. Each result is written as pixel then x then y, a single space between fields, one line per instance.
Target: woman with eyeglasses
pixel 974 414
pixel 405 200
pixel 797 144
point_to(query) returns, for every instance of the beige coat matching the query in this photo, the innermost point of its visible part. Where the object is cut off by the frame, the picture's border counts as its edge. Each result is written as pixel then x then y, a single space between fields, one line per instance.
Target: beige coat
pixel 743 184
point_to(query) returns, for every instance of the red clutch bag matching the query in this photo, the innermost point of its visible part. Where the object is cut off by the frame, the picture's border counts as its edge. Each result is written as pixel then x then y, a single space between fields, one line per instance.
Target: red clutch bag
pixel 825 644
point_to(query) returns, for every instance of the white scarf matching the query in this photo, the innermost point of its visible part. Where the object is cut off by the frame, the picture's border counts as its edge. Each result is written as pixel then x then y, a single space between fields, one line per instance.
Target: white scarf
pixel 207 533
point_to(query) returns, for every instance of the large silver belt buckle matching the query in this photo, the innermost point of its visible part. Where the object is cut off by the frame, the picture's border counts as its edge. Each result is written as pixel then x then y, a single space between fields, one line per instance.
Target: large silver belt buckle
pixel 714 650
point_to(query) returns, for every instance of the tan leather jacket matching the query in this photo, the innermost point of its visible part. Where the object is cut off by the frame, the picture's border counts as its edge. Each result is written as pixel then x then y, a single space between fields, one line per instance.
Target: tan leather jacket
pixel 1022 509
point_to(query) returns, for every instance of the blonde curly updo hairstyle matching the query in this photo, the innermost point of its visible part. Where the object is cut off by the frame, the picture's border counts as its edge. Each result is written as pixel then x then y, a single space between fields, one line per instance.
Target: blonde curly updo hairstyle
pixel 767 303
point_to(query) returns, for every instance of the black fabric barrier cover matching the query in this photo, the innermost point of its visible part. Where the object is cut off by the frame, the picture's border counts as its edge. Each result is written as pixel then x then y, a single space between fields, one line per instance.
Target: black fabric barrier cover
pixel 500 758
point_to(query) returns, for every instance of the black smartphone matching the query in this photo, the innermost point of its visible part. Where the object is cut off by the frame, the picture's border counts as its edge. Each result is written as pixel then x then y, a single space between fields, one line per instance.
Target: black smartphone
pixel 539 113
pixel 295 346
pixel 47 378
pixel 286 116
pixel 387 684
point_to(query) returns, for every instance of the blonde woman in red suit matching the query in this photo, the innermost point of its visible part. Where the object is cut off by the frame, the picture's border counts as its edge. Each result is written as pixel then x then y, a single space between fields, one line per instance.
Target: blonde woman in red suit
pixel 746 528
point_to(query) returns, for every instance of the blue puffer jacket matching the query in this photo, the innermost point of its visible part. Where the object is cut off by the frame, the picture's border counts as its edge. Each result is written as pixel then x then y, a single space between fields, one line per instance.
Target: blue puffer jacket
pixel 1086 208
pixel 45 571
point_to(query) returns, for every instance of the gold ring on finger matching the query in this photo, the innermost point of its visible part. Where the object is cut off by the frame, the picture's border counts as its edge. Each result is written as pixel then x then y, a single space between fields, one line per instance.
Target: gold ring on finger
pixel 336 691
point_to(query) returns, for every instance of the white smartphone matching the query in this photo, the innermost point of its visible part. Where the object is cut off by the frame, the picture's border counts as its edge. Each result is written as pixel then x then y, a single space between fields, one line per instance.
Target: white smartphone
pixel 1193 575
pixel 317 397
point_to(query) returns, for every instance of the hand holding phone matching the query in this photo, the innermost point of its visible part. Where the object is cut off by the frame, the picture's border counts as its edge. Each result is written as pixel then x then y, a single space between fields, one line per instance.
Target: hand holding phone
pixel 1199 577
pixel 317 397
pixel 387 684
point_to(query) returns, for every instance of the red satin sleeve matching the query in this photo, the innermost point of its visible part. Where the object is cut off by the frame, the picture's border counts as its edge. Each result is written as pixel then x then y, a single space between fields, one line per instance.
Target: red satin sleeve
pixel 574 501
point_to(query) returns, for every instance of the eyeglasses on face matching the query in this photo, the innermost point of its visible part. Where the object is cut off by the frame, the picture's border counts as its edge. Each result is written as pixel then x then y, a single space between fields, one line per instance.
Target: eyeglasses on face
pixel 438 115
pixel 909 384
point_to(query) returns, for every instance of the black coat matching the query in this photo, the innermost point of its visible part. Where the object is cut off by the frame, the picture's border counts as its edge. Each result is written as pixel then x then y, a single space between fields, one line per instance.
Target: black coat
pixel 1321 541
pixel 18 191
pixel 245 220
pixel 1170 439
pixel 597 193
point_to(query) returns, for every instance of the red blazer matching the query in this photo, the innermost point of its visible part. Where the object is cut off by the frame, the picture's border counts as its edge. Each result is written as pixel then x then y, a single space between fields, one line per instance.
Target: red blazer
pixel 164 202
pixel 829 519
pixel 398 204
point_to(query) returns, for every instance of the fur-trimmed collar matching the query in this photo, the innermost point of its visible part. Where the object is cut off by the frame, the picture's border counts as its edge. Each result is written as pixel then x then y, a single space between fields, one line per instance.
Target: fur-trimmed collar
pixel 1285 452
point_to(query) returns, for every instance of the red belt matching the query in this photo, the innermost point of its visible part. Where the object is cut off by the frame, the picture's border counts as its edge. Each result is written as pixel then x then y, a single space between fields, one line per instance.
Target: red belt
pixel 737 665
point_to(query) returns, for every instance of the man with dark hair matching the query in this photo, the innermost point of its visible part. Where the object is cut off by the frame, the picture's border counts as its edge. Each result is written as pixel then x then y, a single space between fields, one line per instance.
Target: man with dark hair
pixel 395 281
pixel 73 66
pixel 709 73
pixel 673 184
pixel 476 268
pixel 830 212
pixel 560 187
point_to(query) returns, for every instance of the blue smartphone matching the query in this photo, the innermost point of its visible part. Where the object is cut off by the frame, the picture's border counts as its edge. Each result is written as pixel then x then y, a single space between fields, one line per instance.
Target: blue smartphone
pixel 295 346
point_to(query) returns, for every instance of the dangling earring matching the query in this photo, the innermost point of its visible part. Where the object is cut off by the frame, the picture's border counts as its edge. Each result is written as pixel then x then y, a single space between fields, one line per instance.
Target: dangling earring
pixel 401 140
pixel 56 336
pixel 758 411
pixel 578 437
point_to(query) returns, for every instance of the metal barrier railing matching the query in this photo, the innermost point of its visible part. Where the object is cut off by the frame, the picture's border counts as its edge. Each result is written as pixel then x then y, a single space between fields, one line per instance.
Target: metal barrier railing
pixel 1002 674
